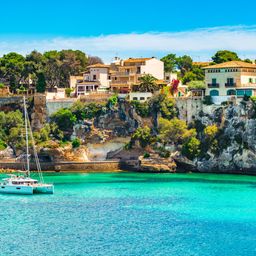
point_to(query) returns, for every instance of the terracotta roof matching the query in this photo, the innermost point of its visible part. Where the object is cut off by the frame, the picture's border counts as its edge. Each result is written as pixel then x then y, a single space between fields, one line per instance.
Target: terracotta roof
pixel 98 65
pixel 137 59
pixel 232 64
pixel 201 63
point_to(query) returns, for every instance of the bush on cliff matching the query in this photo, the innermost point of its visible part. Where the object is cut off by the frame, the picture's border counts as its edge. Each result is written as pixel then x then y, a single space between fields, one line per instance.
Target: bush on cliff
pixel 86 111
pixel 141 108
pixel 174 131
pixel 112 101
pixel 191 148
pixel 143 135
pixel 76 143
pixel 11 128
pixel 164 105
pixel 64 119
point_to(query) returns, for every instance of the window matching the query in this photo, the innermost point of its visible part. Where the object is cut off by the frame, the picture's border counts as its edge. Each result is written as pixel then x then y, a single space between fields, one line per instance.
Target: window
pixel 109 77
pixel 241 93
pixel 250 80
pixel 214 81
pixel 135 98
pixel 94 77
pixel 230 81
pixel 167 78
pixel 142 98
pixel 231 92
pixel 214 93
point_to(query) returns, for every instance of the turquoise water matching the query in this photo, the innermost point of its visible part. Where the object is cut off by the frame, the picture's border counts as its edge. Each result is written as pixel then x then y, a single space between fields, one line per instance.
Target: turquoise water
pixel 133 214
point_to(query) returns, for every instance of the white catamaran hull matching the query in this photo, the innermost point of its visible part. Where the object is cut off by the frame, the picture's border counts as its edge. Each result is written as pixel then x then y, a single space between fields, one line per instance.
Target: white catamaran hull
pixel 44 189
pixel 23 190
pixel 27 190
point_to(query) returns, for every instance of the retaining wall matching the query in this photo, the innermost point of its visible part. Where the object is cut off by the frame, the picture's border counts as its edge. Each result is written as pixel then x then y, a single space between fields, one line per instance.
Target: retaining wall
pixel 105 166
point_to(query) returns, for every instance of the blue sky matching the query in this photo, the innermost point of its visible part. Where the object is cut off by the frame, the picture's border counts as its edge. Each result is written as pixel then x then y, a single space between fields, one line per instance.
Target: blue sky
pixel 128 28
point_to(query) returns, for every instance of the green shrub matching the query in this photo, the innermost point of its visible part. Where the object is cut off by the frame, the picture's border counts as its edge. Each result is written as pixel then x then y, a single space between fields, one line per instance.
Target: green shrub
pixel 65 119
pixel 253 99
pixel 164 153
pixel 191 149
pixel 141 108
pixel 3 146
pixel 128 146
pixel 143 135
pixel 112 101
pixel 68 91
pixel 146 155
pixel 196 85
pixel 76 143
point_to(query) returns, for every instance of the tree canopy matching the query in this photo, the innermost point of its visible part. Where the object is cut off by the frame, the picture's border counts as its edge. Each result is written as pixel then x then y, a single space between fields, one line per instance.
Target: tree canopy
pixel 46 70
pixel 224 56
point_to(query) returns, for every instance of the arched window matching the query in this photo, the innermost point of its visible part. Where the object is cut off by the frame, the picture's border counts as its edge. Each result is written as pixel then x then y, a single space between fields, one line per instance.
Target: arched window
pixel 231 92
pixel 214 93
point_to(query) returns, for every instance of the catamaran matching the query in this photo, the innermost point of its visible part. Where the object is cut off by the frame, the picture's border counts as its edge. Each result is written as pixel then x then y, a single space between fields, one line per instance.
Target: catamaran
pixel 24 184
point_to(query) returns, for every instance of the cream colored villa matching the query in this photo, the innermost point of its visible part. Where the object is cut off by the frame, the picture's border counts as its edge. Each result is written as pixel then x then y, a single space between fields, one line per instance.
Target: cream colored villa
pixel 129 71
pixel 236 78
pixel 119 76
pixel 96 79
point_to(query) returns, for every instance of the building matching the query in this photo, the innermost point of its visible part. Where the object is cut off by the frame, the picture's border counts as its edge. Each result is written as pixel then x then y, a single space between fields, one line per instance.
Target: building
pixel 169 77
pixel 234 78
pixel 140 96
pixel 129 71
pixel 96 79
pixel 73 80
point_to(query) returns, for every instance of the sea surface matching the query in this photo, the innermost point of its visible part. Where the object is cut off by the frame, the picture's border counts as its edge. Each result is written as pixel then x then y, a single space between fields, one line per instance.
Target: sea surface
pixel 133 214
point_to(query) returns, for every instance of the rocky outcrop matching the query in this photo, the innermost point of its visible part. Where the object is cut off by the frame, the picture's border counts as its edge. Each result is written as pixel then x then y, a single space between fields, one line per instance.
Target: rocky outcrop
pixel 122 121
pixel 237 141
pixel 7 154
pixel 154 163
pixel 66 153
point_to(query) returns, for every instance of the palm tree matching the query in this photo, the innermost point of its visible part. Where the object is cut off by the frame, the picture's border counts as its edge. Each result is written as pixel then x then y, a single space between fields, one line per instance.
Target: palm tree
pixel 148 84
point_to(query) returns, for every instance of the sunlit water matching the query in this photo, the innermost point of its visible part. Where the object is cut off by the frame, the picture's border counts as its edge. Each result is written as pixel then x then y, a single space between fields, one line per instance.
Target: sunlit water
pixel 133 214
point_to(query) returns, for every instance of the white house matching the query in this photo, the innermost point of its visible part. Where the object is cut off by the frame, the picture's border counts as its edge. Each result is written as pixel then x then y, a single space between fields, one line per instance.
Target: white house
pixel 129 71
pixel 96 79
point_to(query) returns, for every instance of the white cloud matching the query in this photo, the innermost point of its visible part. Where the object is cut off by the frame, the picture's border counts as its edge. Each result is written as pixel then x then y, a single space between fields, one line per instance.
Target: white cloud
pixel 200 43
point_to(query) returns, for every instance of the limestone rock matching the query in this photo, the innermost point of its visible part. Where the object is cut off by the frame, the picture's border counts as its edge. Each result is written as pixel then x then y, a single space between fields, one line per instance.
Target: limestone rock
pixel 156 164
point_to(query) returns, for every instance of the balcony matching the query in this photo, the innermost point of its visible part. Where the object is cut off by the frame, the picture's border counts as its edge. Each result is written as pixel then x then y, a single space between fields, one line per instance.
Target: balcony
pixel 230 85
pixel 119 73
pixel 120 82
pixel 213 85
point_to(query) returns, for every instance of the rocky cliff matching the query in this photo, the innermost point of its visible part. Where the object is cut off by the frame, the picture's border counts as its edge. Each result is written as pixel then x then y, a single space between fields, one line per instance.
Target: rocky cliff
pixel 235 149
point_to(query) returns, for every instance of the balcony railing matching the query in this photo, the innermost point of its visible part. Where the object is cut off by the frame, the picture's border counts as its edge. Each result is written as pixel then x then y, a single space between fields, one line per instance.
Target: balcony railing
pixel 248 85
pixel 120 82
pixel 230 84
pixel 131 73
pixel 214 85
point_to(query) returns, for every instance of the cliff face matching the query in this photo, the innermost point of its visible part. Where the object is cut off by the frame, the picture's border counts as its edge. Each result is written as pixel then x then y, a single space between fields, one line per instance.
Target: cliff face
pixel 121 121
pixel 237 139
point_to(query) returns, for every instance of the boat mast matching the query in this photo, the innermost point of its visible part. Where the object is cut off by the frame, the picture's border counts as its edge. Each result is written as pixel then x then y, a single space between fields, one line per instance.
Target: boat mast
pixel 26 129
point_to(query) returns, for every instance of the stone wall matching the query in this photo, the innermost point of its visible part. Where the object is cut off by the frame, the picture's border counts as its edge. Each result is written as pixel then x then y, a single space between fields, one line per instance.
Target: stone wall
pixel 53 106
pixel 39 114
pixel 104 166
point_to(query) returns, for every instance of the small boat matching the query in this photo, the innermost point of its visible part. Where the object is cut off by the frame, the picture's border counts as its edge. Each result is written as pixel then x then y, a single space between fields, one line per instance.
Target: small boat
pixel 24 184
